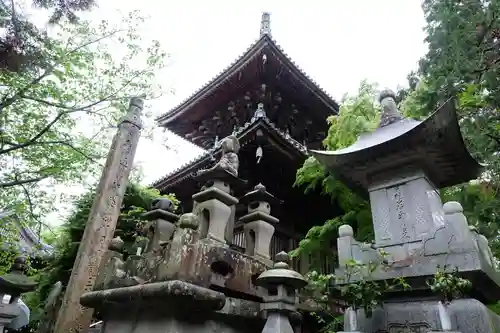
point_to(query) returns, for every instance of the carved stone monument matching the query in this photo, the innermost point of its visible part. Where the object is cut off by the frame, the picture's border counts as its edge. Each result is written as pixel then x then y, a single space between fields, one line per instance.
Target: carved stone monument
pixel 72 317
pixel 401 166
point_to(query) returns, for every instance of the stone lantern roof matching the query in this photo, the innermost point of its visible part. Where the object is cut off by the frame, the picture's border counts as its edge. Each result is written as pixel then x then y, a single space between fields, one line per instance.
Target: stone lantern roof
pixel 281 274
pixel 259 193
pixel 15 282
pixel 434 145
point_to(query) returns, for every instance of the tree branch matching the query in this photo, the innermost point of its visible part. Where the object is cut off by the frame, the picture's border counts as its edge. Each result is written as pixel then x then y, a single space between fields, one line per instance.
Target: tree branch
pixel 68 110
pixel 64 143
pixel 7 101
pixel 495 138
pixel 23 181
pixel 33 215
pixel 67 144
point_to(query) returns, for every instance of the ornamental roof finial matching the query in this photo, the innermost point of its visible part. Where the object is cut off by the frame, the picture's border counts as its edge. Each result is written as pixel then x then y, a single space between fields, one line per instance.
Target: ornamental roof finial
pixel 265 24
pixel 390 112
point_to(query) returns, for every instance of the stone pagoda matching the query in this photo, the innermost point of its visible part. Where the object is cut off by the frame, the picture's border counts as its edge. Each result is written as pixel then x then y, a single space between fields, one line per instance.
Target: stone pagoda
pixel 189 279
pixel 401 166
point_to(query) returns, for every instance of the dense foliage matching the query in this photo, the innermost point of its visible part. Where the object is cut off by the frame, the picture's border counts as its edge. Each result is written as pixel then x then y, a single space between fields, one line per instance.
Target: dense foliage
pixel 22 41
pixel 136 201
pixel 57 118
pixel 357 115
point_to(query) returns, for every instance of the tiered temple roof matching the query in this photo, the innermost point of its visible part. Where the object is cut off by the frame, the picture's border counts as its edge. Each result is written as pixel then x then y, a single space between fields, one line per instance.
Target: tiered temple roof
pixel 295 107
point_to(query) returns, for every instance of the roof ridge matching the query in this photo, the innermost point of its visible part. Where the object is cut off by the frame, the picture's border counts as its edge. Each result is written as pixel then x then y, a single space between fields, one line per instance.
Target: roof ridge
pixel 213 79
pixel 264 39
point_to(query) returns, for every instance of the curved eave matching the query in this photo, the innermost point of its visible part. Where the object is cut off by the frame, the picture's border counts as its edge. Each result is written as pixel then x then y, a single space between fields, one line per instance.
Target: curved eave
pixel 32 244
pixel 443 123
pixel 39 247
pixel 187 170
pixel 239 64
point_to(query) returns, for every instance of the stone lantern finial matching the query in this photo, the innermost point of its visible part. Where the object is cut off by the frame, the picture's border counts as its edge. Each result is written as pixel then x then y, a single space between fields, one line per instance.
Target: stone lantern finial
pixel 390 112
pixel 282 260
pixel 265 24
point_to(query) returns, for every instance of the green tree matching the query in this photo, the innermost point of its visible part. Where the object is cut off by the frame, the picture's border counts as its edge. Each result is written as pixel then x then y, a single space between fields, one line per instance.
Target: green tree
pixel 56 120
pixel 21 42
pixel 463 62
pixel 358 114
pixel 137 200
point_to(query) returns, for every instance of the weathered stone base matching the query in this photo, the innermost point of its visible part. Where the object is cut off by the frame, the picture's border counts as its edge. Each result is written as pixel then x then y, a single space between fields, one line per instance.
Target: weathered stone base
pixel 158 322
pixel 467 316
pixel 173 306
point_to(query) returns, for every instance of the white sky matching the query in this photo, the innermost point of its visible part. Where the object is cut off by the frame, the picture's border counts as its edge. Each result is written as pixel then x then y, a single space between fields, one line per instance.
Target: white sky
pixel 337 43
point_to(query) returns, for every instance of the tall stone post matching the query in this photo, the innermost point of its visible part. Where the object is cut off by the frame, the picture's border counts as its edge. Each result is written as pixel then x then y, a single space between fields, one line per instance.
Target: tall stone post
pixel 72 317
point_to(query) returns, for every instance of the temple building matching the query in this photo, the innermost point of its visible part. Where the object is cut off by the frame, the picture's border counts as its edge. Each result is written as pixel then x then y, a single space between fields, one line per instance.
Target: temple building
pixel 27 240
pixel 277 113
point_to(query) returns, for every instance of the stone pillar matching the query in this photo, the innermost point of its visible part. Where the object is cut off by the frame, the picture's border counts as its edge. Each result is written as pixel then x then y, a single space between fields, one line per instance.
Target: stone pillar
pixel 14 284
pixel 50 309
pixel 280 303
pixel 345 243
pixel 258 226
pixel 72 317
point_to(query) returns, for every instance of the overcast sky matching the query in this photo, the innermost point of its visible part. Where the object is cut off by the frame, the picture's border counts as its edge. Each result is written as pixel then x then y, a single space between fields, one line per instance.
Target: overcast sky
pixel 338 43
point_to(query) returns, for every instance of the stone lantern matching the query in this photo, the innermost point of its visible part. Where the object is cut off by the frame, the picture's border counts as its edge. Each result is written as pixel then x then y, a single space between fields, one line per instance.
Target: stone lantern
pixel 258 222
pixel 282 285
pixel 401 166
pixel 13 284
pixel 214 203
pixel 161 225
